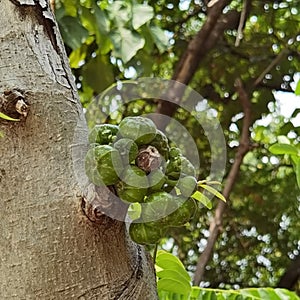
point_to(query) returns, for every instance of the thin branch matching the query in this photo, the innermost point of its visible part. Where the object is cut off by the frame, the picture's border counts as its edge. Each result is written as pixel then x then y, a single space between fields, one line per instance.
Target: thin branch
pixel 239 35
pixel 270 66
pixel 291 275
pixel 216 223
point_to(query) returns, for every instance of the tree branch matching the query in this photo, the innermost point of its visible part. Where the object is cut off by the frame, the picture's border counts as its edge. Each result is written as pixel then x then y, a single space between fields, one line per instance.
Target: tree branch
pixel 239 35
pixel 197 49
pixel 270 66
pixel 291 276
pixel 216 222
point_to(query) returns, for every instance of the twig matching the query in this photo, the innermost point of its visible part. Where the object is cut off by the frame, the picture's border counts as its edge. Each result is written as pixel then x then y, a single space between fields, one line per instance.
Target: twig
pixel 216 222
pixel 270 66
pixel 239 35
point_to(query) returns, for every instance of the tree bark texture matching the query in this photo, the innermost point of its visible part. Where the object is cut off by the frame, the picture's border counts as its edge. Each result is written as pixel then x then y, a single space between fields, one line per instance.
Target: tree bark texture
pixel 291 275
pixel 49 248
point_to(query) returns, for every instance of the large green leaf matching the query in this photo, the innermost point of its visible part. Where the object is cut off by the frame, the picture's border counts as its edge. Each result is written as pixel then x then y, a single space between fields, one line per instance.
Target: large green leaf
pixel 141 14
pixel 198 293
pixel 171 274
pixel 120 13
pixel 173 285
pixel 280 148
pixel 73 33
pixel 165 260
pixel 102 21
pixel 126 43
pixel 98 73
pixel 160 38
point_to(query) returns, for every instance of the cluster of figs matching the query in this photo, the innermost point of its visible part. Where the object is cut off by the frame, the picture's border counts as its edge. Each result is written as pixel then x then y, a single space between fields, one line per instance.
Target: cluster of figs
pixel 135 158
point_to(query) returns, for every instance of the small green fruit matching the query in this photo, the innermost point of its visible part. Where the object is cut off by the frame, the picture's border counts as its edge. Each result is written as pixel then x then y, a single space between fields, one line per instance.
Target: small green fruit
pixel 146 233
pixel 103 164
pixel 183 214
pixel 128 150
pixel 103 134
pixel 157 180
pixel 133 185
pixel 139 129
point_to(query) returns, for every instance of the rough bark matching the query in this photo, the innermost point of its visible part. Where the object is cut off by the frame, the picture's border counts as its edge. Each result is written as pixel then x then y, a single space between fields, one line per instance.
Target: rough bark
pixel 291 276
pixel 216 223
pixel 49 248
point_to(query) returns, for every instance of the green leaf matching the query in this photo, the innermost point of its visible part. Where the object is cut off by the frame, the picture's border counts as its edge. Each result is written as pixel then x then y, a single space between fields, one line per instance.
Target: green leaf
pixel 98 73
pixel 141 14
pixel 77 56
pixel 243 294
pixel 73 33
pixel 202 199
pixel 174 275
pixel 5 117
pixel 213 191
pixel 173 285
pixel 160 38
pixel 297 171
pixel 119 12
pixel 283 149
pixel 297 90
pixel 102 21
pixel 165 260
pixel 126 43
pixel 70 7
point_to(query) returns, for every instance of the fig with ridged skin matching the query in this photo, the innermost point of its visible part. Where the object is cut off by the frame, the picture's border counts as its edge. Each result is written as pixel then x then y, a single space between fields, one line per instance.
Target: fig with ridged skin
pixel 180 166
pixel 128 150
pixel 156 180
pixel 133 185
pixel 139 129
pixel 160 142
pixel 103 164
pixel 146 233
pixel 183 214
pixel 103 134
pixel 157 206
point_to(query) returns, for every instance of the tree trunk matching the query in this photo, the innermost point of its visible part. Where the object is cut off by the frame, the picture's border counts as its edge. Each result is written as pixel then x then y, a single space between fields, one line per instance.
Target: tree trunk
pixel 49 248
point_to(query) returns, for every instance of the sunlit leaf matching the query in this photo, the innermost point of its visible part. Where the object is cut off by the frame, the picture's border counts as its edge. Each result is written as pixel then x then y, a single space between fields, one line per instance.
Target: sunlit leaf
pixel 126 43
pixel 166 260
pixel 5 117
pixel 141 14
pixel 202 199
pixel 173 285
pixel 213 191
pixel 297 90
pixel 283 149
pixel 160 38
